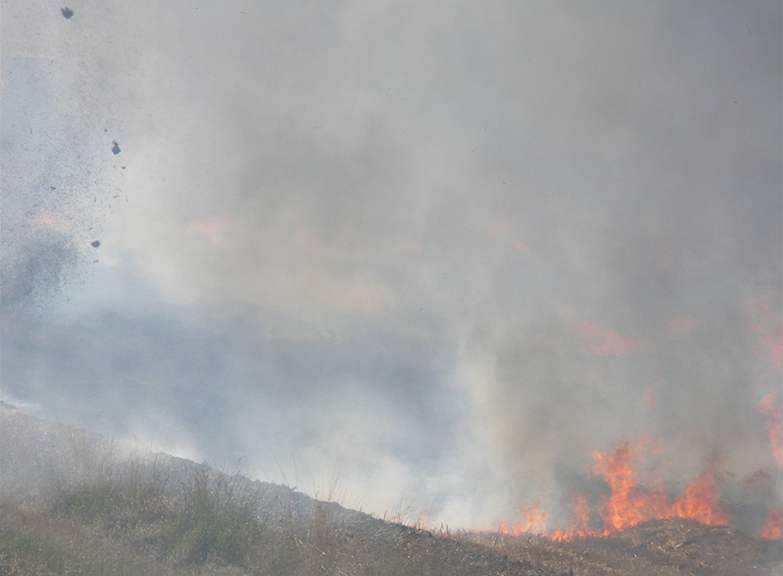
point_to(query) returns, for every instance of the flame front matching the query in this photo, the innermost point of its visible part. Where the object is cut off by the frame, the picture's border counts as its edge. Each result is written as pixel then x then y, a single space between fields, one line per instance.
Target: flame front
pixel 700 502
pixel 628 503
pixel 532 520
pixel 626 506
pixel 773 527
pixel 581 522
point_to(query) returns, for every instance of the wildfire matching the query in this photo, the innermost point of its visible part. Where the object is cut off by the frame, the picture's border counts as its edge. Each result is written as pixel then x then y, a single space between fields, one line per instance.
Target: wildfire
pixel 773 527
pixel 771 408
pixel 628 503
pixel 700 502
pixel 625 507
pixel 581 522
pixel 532 520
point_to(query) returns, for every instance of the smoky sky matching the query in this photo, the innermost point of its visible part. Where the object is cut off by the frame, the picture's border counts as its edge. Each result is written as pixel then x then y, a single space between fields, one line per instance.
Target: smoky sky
pixel 431 253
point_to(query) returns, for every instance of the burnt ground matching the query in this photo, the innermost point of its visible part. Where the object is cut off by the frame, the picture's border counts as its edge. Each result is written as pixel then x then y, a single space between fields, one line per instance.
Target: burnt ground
pixel 66 508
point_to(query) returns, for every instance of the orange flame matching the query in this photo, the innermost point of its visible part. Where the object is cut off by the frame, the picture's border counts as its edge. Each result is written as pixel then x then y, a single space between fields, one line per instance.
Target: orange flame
pixel 532 520
pixel 581 522
pixel 625 507
pixel 700 502
pixel 773 527
pixel 770 407
pixel 629 504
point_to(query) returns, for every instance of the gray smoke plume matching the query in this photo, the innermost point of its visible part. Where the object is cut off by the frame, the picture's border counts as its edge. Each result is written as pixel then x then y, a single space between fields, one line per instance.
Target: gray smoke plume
pixel 432 255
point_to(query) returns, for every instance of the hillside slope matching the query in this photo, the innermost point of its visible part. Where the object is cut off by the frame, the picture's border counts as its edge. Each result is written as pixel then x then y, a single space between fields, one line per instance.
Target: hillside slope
pixel 74 503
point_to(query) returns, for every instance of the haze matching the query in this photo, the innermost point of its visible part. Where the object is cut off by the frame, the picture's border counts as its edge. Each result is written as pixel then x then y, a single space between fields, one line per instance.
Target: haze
pixel 419 257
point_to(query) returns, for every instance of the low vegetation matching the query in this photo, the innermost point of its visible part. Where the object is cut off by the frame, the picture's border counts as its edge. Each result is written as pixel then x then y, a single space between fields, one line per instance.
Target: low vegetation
pixel 72 505
pixel 167 517
pixel 132 521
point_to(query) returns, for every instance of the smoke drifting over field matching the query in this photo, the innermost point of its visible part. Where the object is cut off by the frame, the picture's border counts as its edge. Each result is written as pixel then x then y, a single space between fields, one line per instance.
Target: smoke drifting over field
pixel 431 255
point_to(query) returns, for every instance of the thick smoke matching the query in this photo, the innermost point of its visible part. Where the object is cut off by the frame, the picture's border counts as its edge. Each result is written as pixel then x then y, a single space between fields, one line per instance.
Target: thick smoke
pixel 431 255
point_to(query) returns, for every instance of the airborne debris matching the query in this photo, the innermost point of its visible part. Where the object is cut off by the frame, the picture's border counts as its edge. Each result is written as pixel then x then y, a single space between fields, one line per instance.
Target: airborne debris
pixel 67 12
pixel 115 148
pixel 95 243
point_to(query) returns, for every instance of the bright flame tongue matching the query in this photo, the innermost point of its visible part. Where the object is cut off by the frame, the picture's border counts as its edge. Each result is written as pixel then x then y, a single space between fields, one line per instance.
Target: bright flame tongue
pixel 700 502
pixel 628 503
pixel 625 507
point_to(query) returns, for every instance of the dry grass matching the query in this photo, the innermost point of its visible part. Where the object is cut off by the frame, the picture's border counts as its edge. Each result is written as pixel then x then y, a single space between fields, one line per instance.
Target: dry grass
pixel 80 506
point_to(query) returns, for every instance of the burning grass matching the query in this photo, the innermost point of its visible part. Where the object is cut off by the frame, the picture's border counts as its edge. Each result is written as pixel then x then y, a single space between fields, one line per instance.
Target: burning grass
pixel 100 514
pixel 630 503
